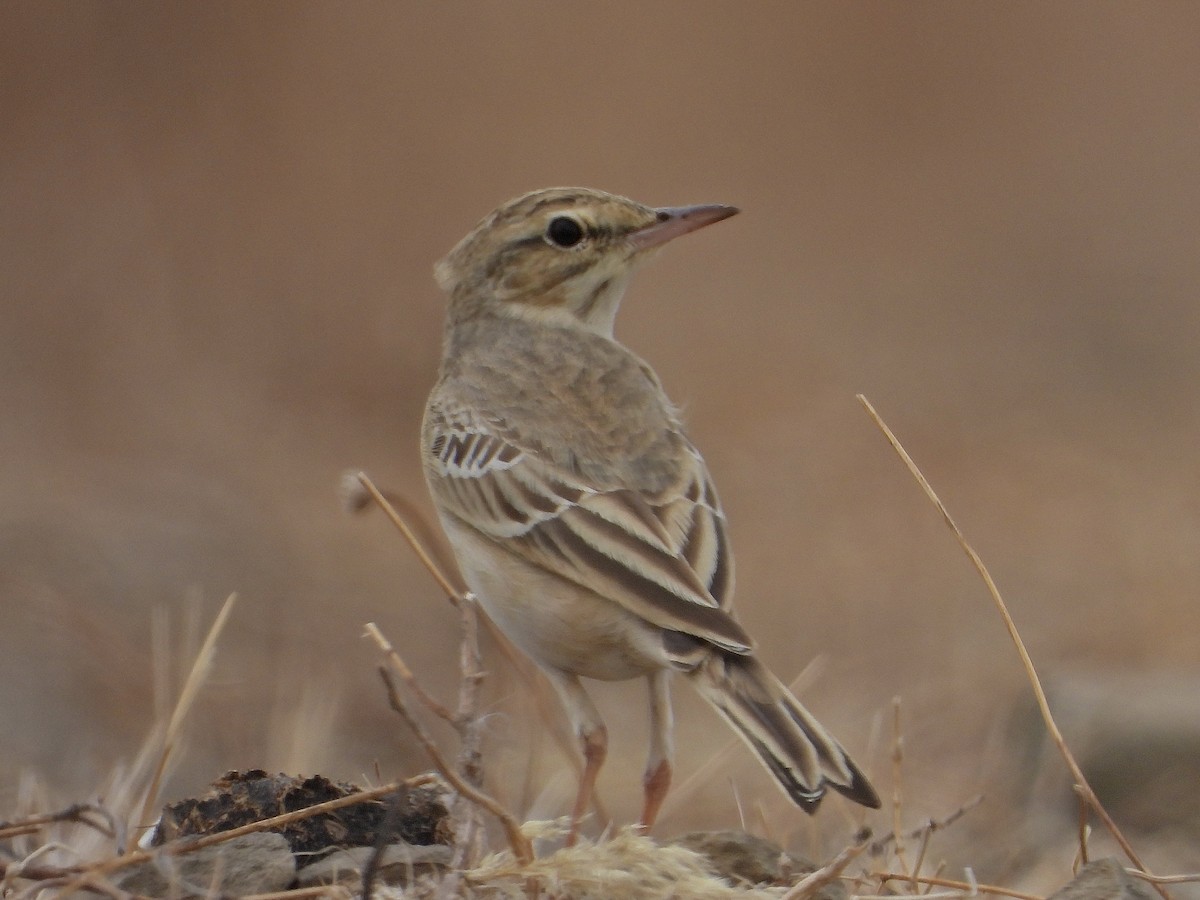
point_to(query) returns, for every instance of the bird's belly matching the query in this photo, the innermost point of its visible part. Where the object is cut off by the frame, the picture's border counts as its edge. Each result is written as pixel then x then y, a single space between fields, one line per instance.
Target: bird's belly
pixel 555 622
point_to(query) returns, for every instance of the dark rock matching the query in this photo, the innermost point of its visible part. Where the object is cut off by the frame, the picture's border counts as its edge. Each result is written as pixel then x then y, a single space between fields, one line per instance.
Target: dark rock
pixel 421 815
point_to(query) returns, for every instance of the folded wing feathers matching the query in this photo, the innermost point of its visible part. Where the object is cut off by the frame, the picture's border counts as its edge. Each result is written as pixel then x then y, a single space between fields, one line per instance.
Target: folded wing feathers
pixel 665 561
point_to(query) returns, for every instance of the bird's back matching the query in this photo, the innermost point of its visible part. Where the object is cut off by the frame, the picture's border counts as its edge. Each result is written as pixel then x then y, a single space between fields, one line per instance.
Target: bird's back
pixel 593 408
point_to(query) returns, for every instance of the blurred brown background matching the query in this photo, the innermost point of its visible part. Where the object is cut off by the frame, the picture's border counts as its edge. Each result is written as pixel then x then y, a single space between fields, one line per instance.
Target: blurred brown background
pixel 217 227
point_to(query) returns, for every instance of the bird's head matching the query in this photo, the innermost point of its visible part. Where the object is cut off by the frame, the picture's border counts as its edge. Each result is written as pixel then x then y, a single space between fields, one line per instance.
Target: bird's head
pixel 561 255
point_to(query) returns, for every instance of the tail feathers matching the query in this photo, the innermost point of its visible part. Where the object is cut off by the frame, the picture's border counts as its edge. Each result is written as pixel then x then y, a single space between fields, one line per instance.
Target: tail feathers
pixel 793 745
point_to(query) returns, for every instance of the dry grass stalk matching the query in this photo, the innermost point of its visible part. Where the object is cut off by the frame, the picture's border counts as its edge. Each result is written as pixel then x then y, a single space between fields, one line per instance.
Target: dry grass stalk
pixel 878 846
pixel 1085 831
pixel 898 837
pixel 1165 879
pixel 453 594
pixel 187 696
pixel 831 871
pixel 916 869
pixel 357 498
pixel 1081 783
pixel 967 888
pixel 898 788
pixel 27 870
pixel 396 661
pixel 332 891
pixel 76 812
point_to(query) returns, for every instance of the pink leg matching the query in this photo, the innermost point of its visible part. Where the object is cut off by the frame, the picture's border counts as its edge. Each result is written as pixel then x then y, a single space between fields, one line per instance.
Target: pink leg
pixel 656 783
pixel 592 735
pixel 657 780
pixel 595 749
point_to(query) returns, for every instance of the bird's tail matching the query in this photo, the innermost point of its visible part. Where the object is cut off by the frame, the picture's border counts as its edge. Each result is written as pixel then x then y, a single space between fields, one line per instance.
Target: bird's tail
pixel 793 745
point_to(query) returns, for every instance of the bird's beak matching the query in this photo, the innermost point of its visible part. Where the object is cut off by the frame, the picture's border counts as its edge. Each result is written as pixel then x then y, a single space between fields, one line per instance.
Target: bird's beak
pixel 676 220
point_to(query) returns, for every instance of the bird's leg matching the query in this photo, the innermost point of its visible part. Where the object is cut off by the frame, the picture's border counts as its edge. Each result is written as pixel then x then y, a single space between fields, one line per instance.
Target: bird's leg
pixel 595 749
pixel 593 737
pixel 657 779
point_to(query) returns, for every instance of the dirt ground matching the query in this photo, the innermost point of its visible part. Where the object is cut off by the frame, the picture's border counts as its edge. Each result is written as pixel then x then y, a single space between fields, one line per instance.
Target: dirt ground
pixel 217 228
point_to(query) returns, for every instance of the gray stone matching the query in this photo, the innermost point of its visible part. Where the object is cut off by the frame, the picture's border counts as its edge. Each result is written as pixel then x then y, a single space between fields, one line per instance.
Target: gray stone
pixel 401 865
pixel 250 864
pixel 1104 879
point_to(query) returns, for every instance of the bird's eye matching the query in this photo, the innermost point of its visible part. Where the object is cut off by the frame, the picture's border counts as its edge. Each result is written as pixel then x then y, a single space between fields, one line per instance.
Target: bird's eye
pixel 564 231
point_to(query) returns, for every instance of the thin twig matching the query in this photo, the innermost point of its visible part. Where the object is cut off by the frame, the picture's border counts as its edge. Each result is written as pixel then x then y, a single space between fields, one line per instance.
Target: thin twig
pixel 967 886
pixel 452 593
pixel 187 696
pixel 357 499
pixel 324 890
pixel 469 845
pixel 387 830
pixel 1164 879
pixel 470 665
pixel 898 786
pixel 831 871
pixel 937 873
pixel 764 823
pixel 1026 661
pixel 1083 830
pixel 397 662
pixel 924 848
pixel 521 846
pixel 877 847
pixel 76 812
pixel 18 869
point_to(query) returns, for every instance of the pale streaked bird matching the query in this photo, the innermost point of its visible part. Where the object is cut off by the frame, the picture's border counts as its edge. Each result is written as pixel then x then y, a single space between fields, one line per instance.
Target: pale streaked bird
pixel 583 519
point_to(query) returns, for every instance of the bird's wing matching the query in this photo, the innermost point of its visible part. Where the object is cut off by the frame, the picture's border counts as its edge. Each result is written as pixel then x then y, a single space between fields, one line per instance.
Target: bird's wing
pixel 663 558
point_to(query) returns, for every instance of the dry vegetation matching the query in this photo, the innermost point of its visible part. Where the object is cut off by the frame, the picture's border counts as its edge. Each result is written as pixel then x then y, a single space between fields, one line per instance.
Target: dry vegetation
pixel 88 846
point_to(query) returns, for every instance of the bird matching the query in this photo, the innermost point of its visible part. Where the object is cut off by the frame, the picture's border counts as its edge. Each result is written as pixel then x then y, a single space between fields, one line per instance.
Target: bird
pixel 582 517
